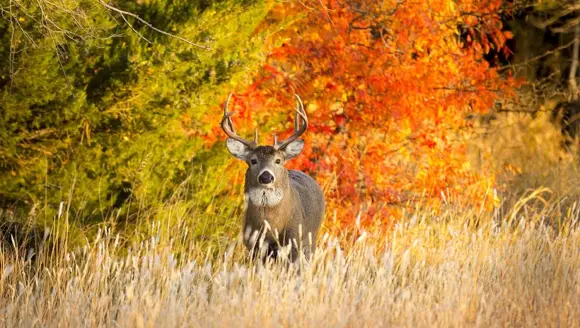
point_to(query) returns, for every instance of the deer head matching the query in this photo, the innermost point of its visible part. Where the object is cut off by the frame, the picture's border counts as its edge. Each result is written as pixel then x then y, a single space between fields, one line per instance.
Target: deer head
pixel 266 177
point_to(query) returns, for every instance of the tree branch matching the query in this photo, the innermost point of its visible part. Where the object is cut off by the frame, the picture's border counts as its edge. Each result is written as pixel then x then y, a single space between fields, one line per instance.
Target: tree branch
pixel 122 12
pixel 566 27
pixel 533 59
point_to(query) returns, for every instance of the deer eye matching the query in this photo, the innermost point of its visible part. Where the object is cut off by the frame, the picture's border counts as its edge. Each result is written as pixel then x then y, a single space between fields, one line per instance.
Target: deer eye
pixel 254 162
pixel 278 161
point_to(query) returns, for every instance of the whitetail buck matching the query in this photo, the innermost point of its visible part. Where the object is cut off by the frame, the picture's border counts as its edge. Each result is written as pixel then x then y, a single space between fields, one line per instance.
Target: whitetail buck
pixel 284 208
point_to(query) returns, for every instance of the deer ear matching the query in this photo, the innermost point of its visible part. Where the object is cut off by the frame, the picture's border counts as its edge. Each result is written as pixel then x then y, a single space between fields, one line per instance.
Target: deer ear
pixel 238 149
pixel 294 148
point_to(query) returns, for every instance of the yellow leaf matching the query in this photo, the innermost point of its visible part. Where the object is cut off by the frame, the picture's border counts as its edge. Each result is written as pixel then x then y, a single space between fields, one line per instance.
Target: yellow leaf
pixel 312 107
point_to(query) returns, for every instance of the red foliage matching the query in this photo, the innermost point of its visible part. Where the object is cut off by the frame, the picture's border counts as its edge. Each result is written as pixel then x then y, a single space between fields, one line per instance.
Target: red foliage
pixel 386 86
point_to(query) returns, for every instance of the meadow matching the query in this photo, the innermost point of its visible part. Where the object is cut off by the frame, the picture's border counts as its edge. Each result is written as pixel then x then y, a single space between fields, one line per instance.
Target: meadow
pixel 454 268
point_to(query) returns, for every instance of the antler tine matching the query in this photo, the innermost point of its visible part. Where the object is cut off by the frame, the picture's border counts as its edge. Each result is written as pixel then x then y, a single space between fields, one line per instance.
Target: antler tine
pixel 229 115
pixel 298 131
pixel 296 121
pixel 301 112
pixel 228 127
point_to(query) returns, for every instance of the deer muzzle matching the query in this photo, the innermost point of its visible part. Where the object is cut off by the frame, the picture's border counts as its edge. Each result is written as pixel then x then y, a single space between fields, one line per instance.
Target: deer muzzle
pixel 266 178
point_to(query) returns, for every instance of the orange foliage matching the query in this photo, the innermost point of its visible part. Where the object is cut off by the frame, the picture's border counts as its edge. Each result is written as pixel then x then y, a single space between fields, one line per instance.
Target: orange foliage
pixel 386 86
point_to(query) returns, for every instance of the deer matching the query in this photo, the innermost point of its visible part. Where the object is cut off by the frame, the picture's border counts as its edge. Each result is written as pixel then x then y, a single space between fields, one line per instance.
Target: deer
pixel 284 208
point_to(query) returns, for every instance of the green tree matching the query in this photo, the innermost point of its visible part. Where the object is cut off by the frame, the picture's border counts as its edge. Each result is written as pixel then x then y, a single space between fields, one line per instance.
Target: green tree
pixel 94 102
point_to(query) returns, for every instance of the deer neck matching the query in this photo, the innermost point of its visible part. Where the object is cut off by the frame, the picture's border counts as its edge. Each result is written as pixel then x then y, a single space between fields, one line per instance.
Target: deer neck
pixel 273 205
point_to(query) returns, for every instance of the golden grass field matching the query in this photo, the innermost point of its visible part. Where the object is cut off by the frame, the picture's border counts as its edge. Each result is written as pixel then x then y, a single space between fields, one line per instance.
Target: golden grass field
pixel 451 269
pixel 518 266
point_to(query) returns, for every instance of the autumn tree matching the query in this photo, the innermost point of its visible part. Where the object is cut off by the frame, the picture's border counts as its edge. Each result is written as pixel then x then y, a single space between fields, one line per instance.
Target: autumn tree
pixel 387 85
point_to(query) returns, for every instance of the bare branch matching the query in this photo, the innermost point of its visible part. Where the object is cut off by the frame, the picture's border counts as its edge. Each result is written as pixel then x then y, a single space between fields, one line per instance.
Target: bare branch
pixel 122 12
pixel 551 20
pixel 533 59
pixel 566 27
pixel 134 30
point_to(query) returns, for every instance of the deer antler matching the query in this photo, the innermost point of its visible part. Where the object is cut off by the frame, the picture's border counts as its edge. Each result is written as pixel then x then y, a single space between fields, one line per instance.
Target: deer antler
pixel 298 130
pixel 228 127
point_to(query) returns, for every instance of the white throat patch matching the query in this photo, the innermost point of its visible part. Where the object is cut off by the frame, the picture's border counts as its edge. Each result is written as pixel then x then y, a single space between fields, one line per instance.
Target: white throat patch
pixel 267 197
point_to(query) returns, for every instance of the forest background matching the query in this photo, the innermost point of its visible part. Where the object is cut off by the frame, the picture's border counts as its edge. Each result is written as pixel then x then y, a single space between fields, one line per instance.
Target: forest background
pixel 110 111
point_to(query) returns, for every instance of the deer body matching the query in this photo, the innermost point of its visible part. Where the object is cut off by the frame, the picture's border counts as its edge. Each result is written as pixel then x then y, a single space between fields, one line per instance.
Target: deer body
pixel 284 208
pixel 297 217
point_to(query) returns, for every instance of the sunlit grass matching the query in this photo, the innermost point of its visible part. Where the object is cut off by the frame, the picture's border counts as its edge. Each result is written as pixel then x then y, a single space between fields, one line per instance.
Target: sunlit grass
pixel 455 268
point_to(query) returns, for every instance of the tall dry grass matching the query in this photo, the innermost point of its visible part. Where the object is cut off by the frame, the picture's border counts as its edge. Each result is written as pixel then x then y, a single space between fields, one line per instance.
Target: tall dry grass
pixel 456 268
pixel 525 151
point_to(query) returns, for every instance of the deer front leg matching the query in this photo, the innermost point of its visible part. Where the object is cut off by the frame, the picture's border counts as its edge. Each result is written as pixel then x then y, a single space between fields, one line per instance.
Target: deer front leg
pixel 260 244
pixel 299 244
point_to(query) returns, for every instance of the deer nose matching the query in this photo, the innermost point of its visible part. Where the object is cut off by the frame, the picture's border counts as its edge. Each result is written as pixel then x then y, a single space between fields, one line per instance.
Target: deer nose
pixel 266 178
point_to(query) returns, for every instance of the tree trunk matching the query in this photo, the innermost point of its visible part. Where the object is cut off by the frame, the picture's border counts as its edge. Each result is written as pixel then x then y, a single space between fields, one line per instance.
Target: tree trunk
pixel 572 77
